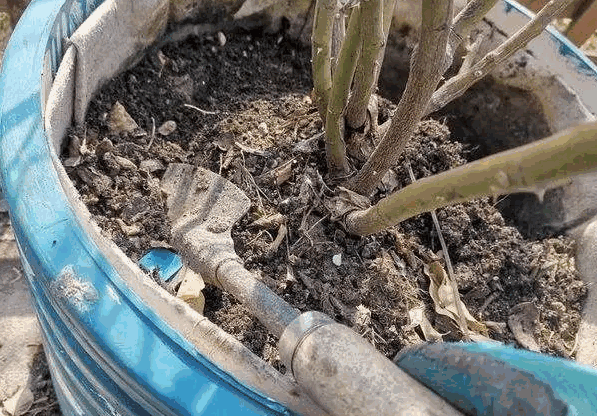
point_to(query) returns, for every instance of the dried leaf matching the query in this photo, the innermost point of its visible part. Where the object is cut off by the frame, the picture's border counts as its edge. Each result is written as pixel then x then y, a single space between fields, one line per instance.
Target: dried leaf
pixel 277 176
pixel 269 222
pixel 418 318
pixel 129 230
pixel 221 38
pixel 167 128
pixel 362 317
pixel 164 60
pixel 523 321
pixel 19 403
pixel 119 121
pixel 191 289
pixel 151 165
pixel 346 201
pixel 444 298
pixel 250 150
pixel 125 163
pixel 389 182
pixel 251 7
pixel 76 149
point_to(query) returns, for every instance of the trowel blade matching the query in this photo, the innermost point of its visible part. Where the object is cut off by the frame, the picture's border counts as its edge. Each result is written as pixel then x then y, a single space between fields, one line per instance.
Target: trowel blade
pixel 197 197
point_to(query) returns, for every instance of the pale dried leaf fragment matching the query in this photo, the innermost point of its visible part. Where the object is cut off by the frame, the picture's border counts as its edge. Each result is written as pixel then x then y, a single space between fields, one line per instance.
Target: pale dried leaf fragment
pixel 98 181
pixel 76 149
pixel 191 288
pixel 163 59
pixel 129 230
pixel 125 163
pixel 523 321
pixel 344 203
pixel 251 7
pixel 389 182
pixel 119 121
pixel 151 165
pixel 221 39
pixel 270 221
pixel 362 317
pixel 19 403
pixel 275 245
pixel 167 128
pixel 418 318
pixel 278 175
pixel 445 299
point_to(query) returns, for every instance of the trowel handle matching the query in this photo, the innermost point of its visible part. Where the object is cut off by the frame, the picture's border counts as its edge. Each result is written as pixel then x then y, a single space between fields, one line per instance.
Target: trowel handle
pixel 271 310
pixel 345 375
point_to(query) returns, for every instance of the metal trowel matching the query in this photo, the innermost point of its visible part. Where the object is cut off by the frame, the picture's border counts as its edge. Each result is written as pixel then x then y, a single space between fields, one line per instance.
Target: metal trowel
pixel 203 207
pixel 340 370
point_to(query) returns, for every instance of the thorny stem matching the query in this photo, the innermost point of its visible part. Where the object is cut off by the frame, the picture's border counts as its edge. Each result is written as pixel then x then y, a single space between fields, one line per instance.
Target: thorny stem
pixel 348 58
pixel 457 85
pixel 321 52
pixel 373 39
pixel 535 167
pixel 425 74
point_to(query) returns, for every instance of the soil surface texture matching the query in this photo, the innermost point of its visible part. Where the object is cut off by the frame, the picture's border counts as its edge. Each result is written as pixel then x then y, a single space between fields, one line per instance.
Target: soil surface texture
pixel 239 104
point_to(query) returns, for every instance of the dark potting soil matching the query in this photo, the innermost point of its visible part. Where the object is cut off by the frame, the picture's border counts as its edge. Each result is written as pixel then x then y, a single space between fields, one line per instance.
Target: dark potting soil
pixel 252 120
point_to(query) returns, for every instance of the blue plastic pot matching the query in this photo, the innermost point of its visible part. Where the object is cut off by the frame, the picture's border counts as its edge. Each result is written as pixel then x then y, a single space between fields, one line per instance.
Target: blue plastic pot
pixel 115 344
pixel 111 346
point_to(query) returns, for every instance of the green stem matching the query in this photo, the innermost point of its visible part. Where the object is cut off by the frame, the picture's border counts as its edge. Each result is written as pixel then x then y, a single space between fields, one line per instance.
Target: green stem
pixel 373 42
pixel 338 37
pixel 321 52
pixel 343 76
pixel 535 167
pixel 425 74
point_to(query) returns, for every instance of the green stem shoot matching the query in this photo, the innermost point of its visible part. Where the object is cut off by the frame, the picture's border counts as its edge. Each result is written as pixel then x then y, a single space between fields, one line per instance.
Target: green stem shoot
pixel 535 167
pixel 373 41
pixel 321 52
pixel 348 58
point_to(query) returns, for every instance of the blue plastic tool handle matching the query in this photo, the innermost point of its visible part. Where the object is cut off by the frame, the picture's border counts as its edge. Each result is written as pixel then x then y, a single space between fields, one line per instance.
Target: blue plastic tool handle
pixel 495 379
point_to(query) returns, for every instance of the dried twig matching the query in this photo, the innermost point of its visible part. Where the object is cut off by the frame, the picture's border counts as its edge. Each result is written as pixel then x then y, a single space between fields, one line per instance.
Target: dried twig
pixel 205 112
pixel 488 302
pixel 152 135
pixel 275 245
pixel 306 233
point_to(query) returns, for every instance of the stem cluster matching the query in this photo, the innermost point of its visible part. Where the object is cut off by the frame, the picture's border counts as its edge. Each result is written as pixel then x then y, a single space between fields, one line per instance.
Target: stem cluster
pixel 345 78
